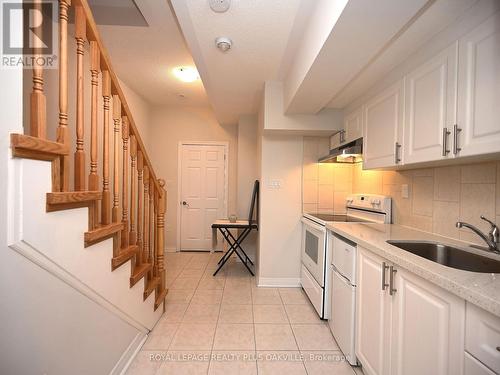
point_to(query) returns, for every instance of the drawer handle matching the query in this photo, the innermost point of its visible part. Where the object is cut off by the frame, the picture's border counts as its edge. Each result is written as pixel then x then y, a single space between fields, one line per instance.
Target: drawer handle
pixel 384 267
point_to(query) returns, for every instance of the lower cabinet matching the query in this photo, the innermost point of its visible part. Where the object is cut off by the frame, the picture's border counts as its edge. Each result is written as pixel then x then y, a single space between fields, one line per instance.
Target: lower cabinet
pixel 406 325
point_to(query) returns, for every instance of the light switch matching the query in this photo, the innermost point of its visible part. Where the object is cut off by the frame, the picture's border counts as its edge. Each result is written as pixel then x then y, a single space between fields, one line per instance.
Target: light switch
pixel 405 191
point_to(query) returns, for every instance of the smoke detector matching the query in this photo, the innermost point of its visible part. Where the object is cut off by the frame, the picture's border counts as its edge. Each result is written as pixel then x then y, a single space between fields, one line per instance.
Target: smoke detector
pixel 219 6
pixel 223 43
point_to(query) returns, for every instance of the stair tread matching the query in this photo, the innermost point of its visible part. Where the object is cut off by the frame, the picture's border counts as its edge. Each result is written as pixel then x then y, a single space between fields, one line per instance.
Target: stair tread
pixel 139 272
pixel 73 197
pixel 102 232
pixel 26 146
pixel 124 256
pixel 160 298
pixel 151 285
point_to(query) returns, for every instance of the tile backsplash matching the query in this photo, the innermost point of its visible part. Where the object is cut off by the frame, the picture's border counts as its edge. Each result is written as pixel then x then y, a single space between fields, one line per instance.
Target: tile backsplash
pixel 437 197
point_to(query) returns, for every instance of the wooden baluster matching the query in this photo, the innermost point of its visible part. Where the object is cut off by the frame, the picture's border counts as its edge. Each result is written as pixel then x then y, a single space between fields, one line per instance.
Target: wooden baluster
pixel 117 115
pixel 94 73
pixel 140 201
pixel 145 246
pixel 160 224
pixel 151 222
pixel 106 194
pixel 133 155
pixel 80 34
pixel 62 129
pixel 38 110
pixel 125 182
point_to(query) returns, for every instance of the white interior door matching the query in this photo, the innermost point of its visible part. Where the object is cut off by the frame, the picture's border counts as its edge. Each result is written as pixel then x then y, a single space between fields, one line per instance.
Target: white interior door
pixel 202 198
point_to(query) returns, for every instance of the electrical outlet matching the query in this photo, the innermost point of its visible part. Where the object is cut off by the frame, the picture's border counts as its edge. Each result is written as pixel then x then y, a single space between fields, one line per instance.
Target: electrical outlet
pixel 274 184
pixel 405 191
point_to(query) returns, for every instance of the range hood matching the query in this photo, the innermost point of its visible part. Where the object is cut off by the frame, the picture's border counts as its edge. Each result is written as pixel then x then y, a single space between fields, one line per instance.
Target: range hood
pixel 351 152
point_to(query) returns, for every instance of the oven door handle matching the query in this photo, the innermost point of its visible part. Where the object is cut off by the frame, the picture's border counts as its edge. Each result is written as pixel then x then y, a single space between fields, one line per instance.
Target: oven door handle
pixel 313 225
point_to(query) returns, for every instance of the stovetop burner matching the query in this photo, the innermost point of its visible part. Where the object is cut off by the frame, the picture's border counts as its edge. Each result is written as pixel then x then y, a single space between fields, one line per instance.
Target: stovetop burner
pixel 337 218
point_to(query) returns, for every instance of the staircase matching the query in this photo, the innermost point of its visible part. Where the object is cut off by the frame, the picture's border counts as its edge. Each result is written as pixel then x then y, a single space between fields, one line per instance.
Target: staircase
pixel 103 181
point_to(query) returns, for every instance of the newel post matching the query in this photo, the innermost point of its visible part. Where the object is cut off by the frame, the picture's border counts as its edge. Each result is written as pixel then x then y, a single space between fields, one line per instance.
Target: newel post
pixel 160 235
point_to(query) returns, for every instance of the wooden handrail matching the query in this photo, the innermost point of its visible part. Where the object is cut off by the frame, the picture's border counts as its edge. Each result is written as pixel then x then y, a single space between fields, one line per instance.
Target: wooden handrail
pixel 93 34
pixel 136 221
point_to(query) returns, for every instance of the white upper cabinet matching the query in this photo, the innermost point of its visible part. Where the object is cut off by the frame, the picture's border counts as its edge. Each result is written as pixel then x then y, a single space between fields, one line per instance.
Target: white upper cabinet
pixel 430 108
pixel 383 122
pixel 353 125
pixel 479 90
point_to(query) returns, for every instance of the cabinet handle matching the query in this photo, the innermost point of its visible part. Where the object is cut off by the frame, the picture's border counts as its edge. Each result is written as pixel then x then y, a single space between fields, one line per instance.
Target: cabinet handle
pixel 392 271
pixel 397 147
pixel 446 133
pixel 342 136
pixel 456 130
pixel 384 267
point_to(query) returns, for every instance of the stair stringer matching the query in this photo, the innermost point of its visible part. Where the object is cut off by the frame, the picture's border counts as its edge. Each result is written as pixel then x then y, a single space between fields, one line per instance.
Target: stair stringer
pixel 60 237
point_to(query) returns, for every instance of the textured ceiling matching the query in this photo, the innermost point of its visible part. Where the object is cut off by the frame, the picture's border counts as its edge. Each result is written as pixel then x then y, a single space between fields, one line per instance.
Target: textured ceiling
pixel 261 33
pixel 144 57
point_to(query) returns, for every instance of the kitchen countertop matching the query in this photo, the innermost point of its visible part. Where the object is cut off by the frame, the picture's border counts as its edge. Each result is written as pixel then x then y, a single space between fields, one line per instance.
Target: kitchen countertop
pixel 481 289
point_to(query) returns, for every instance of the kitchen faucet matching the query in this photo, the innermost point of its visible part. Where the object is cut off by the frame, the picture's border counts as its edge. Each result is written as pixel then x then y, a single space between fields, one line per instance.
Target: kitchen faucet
pixel 492 239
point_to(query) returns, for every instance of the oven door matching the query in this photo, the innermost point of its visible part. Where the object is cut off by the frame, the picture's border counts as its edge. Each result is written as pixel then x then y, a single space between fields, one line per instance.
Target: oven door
pixel 313 249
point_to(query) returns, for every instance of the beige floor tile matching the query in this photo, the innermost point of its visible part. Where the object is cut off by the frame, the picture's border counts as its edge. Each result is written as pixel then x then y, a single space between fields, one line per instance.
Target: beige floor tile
pixel 195 273
pixel 280 363
pixel 161 336
pixel 235 313
pixel 185 283
pixel 234 337
pixel 193 337
pixel 233 362
pixel 201 314
pixel 293 296
pixel 302 314
pixel 174 312
pixel 181 296
pixel 314 337
pixel 326 362
pixel 266 296
pixel 274 337
pixel 237 297
pixel 185 363
pixel 269 314
pixel 209 283
pixel 143 365
pixel 207 297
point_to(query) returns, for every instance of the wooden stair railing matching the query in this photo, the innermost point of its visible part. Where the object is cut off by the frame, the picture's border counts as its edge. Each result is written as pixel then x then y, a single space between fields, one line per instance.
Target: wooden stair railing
pixel 129 204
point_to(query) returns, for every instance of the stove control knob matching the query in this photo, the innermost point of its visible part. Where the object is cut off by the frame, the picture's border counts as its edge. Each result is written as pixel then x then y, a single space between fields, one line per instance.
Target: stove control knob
pixel 376 202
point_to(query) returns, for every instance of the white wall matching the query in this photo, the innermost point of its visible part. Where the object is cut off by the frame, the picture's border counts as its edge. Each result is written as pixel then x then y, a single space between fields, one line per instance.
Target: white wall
pixel 323 123
pixel 168 126
pixel 280 209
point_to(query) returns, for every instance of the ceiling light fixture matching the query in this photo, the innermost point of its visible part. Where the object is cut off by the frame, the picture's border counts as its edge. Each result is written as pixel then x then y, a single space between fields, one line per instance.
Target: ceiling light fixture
pixel 186 73
pixel 219 6
pixel 223 43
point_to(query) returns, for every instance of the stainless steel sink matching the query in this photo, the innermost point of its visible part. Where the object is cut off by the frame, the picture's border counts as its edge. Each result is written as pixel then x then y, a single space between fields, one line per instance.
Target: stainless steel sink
pixel 449 256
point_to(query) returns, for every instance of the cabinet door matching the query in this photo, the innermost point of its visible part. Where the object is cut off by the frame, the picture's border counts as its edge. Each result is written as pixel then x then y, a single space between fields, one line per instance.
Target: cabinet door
pixel 353 125
pixel 430 108
pixel 383 120
pixel 373 315
pixel 428 328
pixel 479 89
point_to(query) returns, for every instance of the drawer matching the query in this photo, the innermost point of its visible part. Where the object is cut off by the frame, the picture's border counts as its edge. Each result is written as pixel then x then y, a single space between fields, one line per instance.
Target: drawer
pixel 474 367
pixel 313 290
pixel 482 336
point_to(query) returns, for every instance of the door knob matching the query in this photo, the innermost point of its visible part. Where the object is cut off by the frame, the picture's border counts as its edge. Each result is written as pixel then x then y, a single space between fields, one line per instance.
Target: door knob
pixel 184 203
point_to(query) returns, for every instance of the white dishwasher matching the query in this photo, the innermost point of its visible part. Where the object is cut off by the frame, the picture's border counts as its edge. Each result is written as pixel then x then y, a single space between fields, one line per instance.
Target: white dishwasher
pixel 343 298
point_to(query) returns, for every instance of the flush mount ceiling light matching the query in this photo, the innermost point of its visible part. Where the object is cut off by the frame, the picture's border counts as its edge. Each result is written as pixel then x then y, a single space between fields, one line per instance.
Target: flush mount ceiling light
pixel 219 6
pixel 186 73
pixel 223 43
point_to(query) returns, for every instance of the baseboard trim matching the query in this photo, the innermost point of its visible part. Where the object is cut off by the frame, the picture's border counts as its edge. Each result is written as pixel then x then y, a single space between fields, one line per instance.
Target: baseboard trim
pixel 280 282
pixel 129 354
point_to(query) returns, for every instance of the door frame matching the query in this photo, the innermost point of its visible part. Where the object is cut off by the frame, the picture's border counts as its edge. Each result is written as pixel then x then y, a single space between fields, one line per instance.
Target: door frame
pixel 179 179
